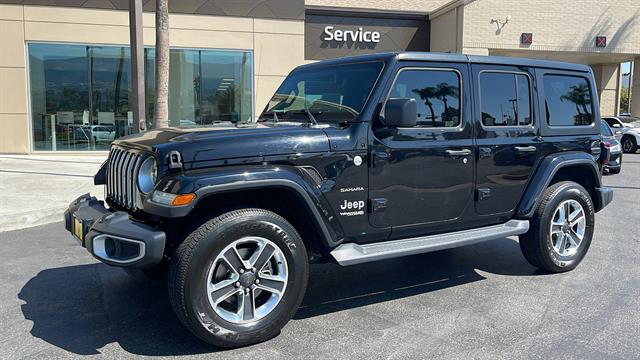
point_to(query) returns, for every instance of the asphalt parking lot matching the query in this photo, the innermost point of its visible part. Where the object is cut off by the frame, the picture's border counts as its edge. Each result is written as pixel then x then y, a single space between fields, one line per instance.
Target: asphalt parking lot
pixel 482 301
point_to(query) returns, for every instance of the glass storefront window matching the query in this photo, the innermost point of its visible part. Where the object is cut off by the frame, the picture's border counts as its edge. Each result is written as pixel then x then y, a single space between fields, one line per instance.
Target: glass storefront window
pixel 206 87
pixel 59 95
pixel 81 96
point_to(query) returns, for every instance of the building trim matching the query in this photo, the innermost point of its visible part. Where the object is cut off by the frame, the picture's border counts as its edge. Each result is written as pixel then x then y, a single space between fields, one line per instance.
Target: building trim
pixel 448 7
pixel 554 48
pixel 365 12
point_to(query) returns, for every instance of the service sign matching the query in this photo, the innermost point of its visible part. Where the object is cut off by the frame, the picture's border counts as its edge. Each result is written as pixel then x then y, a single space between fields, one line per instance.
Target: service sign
pixel 329 36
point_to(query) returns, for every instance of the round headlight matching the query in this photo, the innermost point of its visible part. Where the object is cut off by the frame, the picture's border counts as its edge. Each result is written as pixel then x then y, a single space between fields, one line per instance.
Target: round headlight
pixel 147 175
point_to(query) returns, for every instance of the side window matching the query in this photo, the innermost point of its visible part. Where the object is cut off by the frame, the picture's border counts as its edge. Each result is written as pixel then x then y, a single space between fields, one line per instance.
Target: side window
pixel 505 99
pixel 568 100
pixel 437 94
pixel 613 123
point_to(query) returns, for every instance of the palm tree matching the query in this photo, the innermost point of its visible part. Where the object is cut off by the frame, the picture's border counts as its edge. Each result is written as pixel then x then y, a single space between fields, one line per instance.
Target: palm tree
pixel 162 64
pixel 580 96
pixel 442 91
pixel 426 94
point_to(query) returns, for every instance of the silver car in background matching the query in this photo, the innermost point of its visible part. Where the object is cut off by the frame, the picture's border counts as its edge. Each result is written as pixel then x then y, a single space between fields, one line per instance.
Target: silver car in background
pixel 627 130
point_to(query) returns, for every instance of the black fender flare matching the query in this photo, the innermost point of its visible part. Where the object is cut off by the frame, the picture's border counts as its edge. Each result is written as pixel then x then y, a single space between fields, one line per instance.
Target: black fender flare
pixel 545 172
pixel 244 179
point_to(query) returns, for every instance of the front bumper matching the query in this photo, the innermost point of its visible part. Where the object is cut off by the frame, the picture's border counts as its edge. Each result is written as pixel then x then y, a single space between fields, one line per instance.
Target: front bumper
pixel 112 236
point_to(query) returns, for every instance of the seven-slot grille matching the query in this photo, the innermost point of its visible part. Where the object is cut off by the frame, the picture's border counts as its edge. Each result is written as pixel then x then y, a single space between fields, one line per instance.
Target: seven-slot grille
pixel 122 172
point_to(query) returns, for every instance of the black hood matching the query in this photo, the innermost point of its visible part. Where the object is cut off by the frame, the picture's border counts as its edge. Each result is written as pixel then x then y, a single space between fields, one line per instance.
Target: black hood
pixel 204 144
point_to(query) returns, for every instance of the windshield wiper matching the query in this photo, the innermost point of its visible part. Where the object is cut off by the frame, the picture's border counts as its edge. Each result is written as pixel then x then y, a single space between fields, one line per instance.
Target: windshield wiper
pixel 264 115
pixel 312 118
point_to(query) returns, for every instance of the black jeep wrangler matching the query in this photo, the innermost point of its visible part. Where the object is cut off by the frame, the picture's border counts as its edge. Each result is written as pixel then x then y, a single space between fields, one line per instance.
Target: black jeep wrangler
pixel 353 160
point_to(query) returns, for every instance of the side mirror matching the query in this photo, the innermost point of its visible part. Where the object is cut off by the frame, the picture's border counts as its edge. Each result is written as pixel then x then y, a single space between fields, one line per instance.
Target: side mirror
pixel 400 112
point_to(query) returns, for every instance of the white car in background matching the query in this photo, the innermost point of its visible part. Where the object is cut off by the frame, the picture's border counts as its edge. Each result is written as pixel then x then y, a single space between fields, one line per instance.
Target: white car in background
pixel 627 128
pixel 103 133
pixel 95 133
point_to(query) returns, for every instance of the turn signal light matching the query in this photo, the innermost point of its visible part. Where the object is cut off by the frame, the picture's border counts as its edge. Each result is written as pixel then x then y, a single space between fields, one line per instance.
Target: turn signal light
pixel 184 199
pixel 164 198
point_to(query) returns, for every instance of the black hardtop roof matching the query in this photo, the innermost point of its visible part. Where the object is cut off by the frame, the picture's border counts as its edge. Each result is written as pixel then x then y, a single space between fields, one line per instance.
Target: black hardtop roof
pixel 454 58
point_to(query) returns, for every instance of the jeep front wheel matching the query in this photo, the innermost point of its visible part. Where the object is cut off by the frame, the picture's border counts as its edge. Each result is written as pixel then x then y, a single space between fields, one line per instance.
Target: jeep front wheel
pixel 561 228
pixel 239 278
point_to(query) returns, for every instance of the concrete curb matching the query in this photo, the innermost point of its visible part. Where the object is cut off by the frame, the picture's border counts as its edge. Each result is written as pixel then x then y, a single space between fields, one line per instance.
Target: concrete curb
pixel 31 219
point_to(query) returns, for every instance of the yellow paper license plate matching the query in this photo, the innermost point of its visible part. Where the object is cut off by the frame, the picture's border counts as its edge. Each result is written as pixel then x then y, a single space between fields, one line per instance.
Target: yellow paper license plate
pixel 77 228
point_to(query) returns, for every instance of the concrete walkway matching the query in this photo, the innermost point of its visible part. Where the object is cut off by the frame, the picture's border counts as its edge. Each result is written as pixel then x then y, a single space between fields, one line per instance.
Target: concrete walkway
pixel 36 189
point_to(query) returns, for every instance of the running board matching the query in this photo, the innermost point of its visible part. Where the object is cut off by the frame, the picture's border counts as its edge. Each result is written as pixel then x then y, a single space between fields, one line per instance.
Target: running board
pixel 350 253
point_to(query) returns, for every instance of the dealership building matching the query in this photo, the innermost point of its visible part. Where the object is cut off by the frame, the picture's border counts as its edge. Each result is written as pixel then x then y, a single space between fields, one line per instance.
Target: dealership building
pixel 65 70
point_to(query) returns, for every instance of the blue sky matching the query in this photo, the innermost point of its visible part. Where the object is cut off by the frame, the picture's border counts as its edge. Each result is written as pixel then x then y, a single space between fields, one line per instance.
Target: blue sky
pixel 626 67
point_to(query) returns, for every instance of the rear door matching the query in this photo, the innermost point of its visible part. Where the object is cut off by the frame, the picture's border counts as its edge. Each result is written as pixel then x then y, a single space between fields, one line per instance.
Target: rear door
pixel 507 137
pixel 423 175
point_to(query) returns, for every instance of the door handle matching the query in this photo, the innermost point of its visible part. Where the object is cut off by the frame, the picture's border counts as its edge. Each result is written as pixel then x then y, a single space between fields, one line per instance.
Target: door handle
pixel 522 150
pixel 457 153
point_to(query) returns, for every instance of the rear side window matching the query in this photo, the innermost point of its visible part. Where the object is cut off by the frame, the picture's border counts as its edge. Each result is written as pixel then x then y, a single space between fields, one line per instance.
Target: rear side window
pixel 505 99
pixel 437 94
pixel 568 100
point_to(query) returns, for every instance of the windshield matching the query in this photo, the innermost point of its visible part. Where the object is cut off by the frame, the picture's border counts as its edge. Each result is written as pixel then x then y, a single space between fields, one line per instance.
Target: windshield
pixel 331 93
pixel 631 121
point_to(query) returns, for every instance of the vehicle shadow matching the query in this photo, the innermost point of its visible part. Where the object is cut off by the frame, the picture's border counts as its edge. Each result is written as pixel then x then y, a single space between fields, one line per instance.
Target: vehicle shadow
pixel 335 288
pixel 83 308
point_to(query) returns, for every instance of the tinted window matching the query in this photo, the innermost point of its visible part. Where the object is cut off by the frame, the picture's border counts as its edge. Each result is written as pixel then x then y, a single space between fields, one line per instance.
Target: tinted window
pixel 568 100
pixel 505 99
pixel 437 94
pixel 330 92
pixel 613 122
pixel 524 99
pixel 605 129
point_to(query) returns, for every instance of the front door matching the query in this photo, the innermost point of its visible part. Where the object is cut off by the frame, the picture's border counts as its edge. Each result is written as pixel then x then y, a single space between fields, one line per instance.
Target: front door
pixel 507 139
pixel 424 174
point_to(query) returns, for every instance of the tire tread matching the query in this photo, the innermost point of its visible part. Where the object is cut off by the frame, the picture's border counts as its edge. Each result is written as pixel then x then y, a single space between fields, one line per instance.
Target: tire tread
pixel 532 248
pixel 180 269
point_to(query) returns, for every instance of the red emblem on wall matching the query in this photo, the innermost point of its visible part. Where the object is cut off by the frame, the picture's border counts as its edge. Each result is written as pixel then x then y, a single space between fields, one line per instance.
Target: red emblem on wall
pixel 526 38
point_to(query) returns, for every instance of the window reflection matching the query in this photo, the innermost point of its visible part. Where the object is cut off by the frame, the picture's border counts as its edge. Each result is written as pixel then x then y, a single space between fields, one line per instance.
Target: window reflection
pixel 437 94
pixel 206 87
pixel 505 99
pixel 567 100
pixel 59 94
pixel 81 96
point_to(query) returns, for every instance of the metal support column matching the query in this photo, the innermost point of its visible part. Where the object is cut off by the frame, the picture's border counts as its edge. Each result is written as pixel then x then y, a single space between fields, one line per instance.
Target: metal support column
pixel 137 65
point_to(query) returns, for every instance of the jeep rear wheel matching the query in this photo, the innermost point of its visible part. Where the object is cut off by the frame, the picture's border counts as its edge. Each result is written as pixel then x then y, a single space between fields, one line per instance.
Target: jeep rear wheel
pixel 561 228
pixel 239 278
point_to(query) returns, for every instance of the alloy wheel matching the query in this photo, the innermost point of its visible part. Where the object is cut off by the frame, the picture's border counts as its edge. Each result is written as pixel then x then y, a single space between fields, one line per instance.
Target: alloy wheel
pixel 247 280
pixel 568 227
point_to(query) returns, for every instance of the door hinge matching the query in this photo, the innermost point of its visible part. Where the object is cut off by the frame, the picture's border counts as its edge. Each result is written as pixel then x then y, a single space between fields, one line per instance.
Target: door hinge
pixel 175 160
pixel 484 194
pixel 377 205
pixel 484 152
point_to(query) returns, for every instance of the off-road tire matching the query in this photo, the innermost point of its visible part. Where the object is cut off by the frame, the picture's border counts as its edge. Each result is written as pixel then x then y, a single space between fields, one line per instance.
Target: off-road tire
pixel 536 245
pixel 190 264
